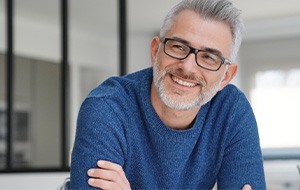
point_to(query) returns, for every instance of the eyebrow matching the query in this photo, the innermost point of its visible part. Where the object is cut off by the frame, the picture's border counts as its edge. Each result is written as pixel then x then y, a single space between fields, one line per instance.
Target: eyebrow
pixel 211 50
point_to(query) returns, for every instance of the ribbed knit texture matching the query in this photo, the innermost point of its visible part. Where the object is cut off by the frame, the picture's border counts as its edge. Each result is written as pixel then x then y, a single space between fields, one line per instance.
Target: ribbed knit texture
pixel 117 122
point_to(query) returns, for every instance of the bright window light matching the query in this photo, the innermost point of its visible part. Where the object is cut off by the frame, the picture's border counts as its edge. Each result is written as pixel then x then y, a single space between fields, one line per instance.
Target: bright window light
pixel 276 104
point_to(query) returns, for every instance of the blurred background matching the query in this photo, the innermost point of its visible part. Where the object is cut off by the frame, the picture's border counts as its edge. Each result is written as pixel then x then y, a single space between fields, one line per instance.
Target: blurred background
pixel 53 54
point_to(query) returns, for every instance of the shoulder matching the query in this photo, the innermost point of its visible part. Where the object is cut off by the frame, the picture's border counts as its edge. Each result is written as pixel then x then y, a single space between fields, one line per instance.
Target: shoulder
pixel 115 97
pixel 230 97
pixel 233 108
pixel 234 112
pixel 121 85
pixel 230 91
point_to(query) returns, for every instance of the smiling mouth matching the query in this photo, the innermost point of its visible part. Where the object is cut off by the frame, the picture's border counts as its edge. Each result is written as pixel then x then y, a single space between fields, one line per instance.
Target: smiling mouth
pixel 183 83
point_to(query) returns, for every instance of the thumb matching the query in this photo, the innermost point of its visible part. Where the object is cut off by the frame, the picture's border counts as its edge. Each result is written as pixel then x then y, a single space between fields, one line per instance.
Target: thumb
pixel 246 187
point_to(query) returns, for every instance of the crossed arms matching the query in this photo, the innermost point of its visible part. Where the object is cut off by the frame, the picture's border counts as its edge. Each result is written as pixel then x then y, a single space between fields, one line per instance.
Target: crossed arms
pixel 111 176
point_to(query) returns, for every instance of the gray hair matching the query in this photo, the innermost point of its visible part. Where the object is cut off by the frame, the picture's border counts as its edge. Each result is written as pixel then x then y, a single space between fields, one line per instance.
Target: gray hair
pixel 219 10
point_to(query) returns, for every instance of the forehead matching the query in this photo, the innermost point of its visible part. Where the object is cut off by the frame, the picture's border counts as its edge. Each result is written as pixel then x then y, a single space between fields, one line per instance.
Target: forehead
pixel 202 33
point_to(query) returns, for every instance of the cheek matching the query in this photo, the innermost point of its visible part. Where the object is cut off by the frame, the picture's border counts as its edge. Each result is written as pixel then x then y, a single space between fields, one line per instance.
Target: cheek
pixel 212 79
pixel 162 62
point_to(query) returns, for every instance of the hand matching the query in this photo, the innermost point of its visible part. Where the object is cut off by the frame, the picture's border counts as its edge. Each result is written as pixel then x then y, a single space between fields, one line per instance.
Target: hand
pixel 108 176
pixel 246 187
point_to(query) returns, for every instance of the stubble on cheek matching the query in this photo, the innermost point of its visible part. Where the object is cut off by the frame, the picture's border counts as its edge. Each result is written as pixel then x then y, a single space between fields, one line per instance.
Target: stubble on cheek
pixel 176 98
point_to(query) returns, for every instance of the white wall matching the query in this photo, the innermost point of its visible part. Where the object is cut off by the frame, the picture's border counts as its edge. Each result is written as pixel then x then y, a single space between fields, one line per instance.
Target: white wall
pixel 32 181
pixel 282 175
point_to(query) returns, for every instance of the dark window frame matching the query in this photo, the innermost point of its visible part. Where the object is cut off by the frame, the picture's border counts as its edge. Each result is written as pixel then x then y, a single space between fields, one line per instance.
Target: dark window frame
pixel 64 85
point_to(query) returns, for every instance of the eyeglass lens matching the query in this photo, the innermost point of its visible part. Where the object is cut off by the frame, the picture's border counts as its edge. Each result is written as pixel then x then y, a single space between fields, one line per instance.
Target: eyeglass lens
pixel 180 51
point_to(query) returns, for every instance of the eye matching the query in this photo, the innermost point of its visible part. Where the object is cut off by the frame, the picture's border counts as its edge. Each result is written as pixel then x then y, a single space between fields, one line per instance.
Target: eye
pixel 209 57
pixel 179 48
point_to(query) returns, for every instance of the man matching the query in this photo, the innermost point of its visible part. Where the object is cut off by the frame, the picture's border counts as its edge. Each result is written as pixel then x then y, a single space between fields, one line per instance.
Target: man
pixel 178 125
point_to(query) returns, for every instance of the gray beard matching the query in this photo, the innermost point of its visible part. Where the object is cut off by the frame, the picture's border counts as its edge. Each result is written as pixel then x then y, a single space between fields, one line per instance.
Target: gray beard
pixel 204 97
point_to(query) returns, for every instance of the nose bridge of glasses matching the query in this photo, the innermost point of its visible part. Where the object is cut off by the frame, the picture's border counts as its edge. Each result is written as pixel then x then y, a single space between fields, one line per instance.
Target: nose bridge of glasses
pixel 194 52
pixel 190 60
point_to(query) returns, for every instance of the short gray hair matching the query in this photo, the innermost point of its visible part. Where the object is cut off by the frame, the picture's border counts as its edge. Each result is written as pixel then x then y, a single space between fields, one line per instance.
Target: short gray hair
pixel 219 10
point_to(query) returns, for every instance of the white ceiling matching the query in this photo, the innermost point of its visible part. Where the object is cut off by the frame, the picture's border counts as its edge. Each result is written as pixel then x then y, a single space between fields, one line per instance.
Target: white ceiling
pixel 153 11
pixel 100 16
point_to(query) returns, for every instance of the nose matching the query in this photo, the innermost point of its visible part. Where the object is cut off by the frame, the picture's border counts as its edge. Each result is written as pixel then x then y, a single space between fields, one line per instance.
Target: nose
pixel 189 63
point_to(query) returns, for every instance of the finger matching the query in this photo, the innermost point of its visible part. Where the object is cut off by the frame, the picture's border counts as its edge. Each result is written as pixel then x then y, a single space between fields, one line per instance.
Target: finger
pixel 109 165
pixel 113 166
pixel 246 187
pixel 103 184
pixel 108 175
pixel 103 174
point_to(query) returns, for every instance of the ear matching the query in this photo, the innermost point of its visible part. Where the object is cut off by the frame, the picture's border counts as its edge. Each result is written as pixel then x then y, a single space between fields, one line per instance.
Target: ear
pixel 154 48
pixel 229 75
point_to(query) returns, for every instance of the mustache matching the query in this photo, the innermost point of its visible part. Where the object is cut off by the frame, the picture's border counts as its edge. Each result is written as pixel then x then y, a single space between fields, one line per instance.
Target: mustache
pixel 179 72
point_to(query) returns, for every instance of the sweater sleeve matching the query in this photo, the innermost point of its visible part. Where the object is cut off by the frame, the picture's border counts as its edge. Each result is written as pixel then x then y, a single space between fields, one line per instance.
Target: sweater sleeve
pixel 99 135
pixel 242 160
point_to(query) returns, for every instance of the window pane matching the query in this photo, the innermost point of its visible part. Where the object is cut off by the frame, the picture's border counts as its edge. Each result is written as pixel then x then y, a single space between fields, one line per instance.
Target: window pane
pixel 2 112
pixel 94 49
pixel 36 102
pixel 2 85
pixel 276 102
pixel 143 25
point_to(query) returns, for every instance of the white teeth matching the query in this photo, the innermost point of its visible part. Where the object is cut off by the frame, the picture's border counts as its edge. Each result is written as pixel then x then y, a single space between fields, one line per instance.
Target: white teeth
pixel 183 83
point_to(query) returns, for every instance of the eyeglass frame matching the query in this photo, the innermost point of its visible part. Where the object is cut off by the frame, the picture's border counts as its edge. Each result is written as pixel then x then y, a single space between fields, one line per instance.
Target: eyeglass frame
pixel 195 51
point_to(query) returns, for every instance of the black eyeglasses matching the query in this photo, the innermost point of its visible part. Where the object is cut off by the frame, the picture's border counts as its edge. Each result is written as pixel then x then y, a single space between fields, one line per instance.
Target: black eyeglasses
pixel 204 58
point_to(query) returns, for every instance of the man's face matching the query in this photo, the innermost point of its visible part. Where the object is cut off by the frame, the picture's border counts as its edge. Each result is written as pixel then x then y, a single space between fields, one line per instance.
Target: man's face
pixel 182 84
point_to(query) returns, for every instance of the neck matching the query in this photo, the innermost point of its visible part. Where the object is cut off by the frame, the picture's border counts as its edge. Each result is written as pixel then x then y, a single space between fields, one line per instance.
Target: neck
pixel 175 119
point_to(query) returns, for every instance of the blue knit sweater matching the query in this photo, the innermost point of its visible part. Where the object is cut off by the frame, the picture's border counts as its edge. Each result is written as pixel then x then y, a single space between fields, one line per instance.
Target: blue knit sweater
pixel 117 122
